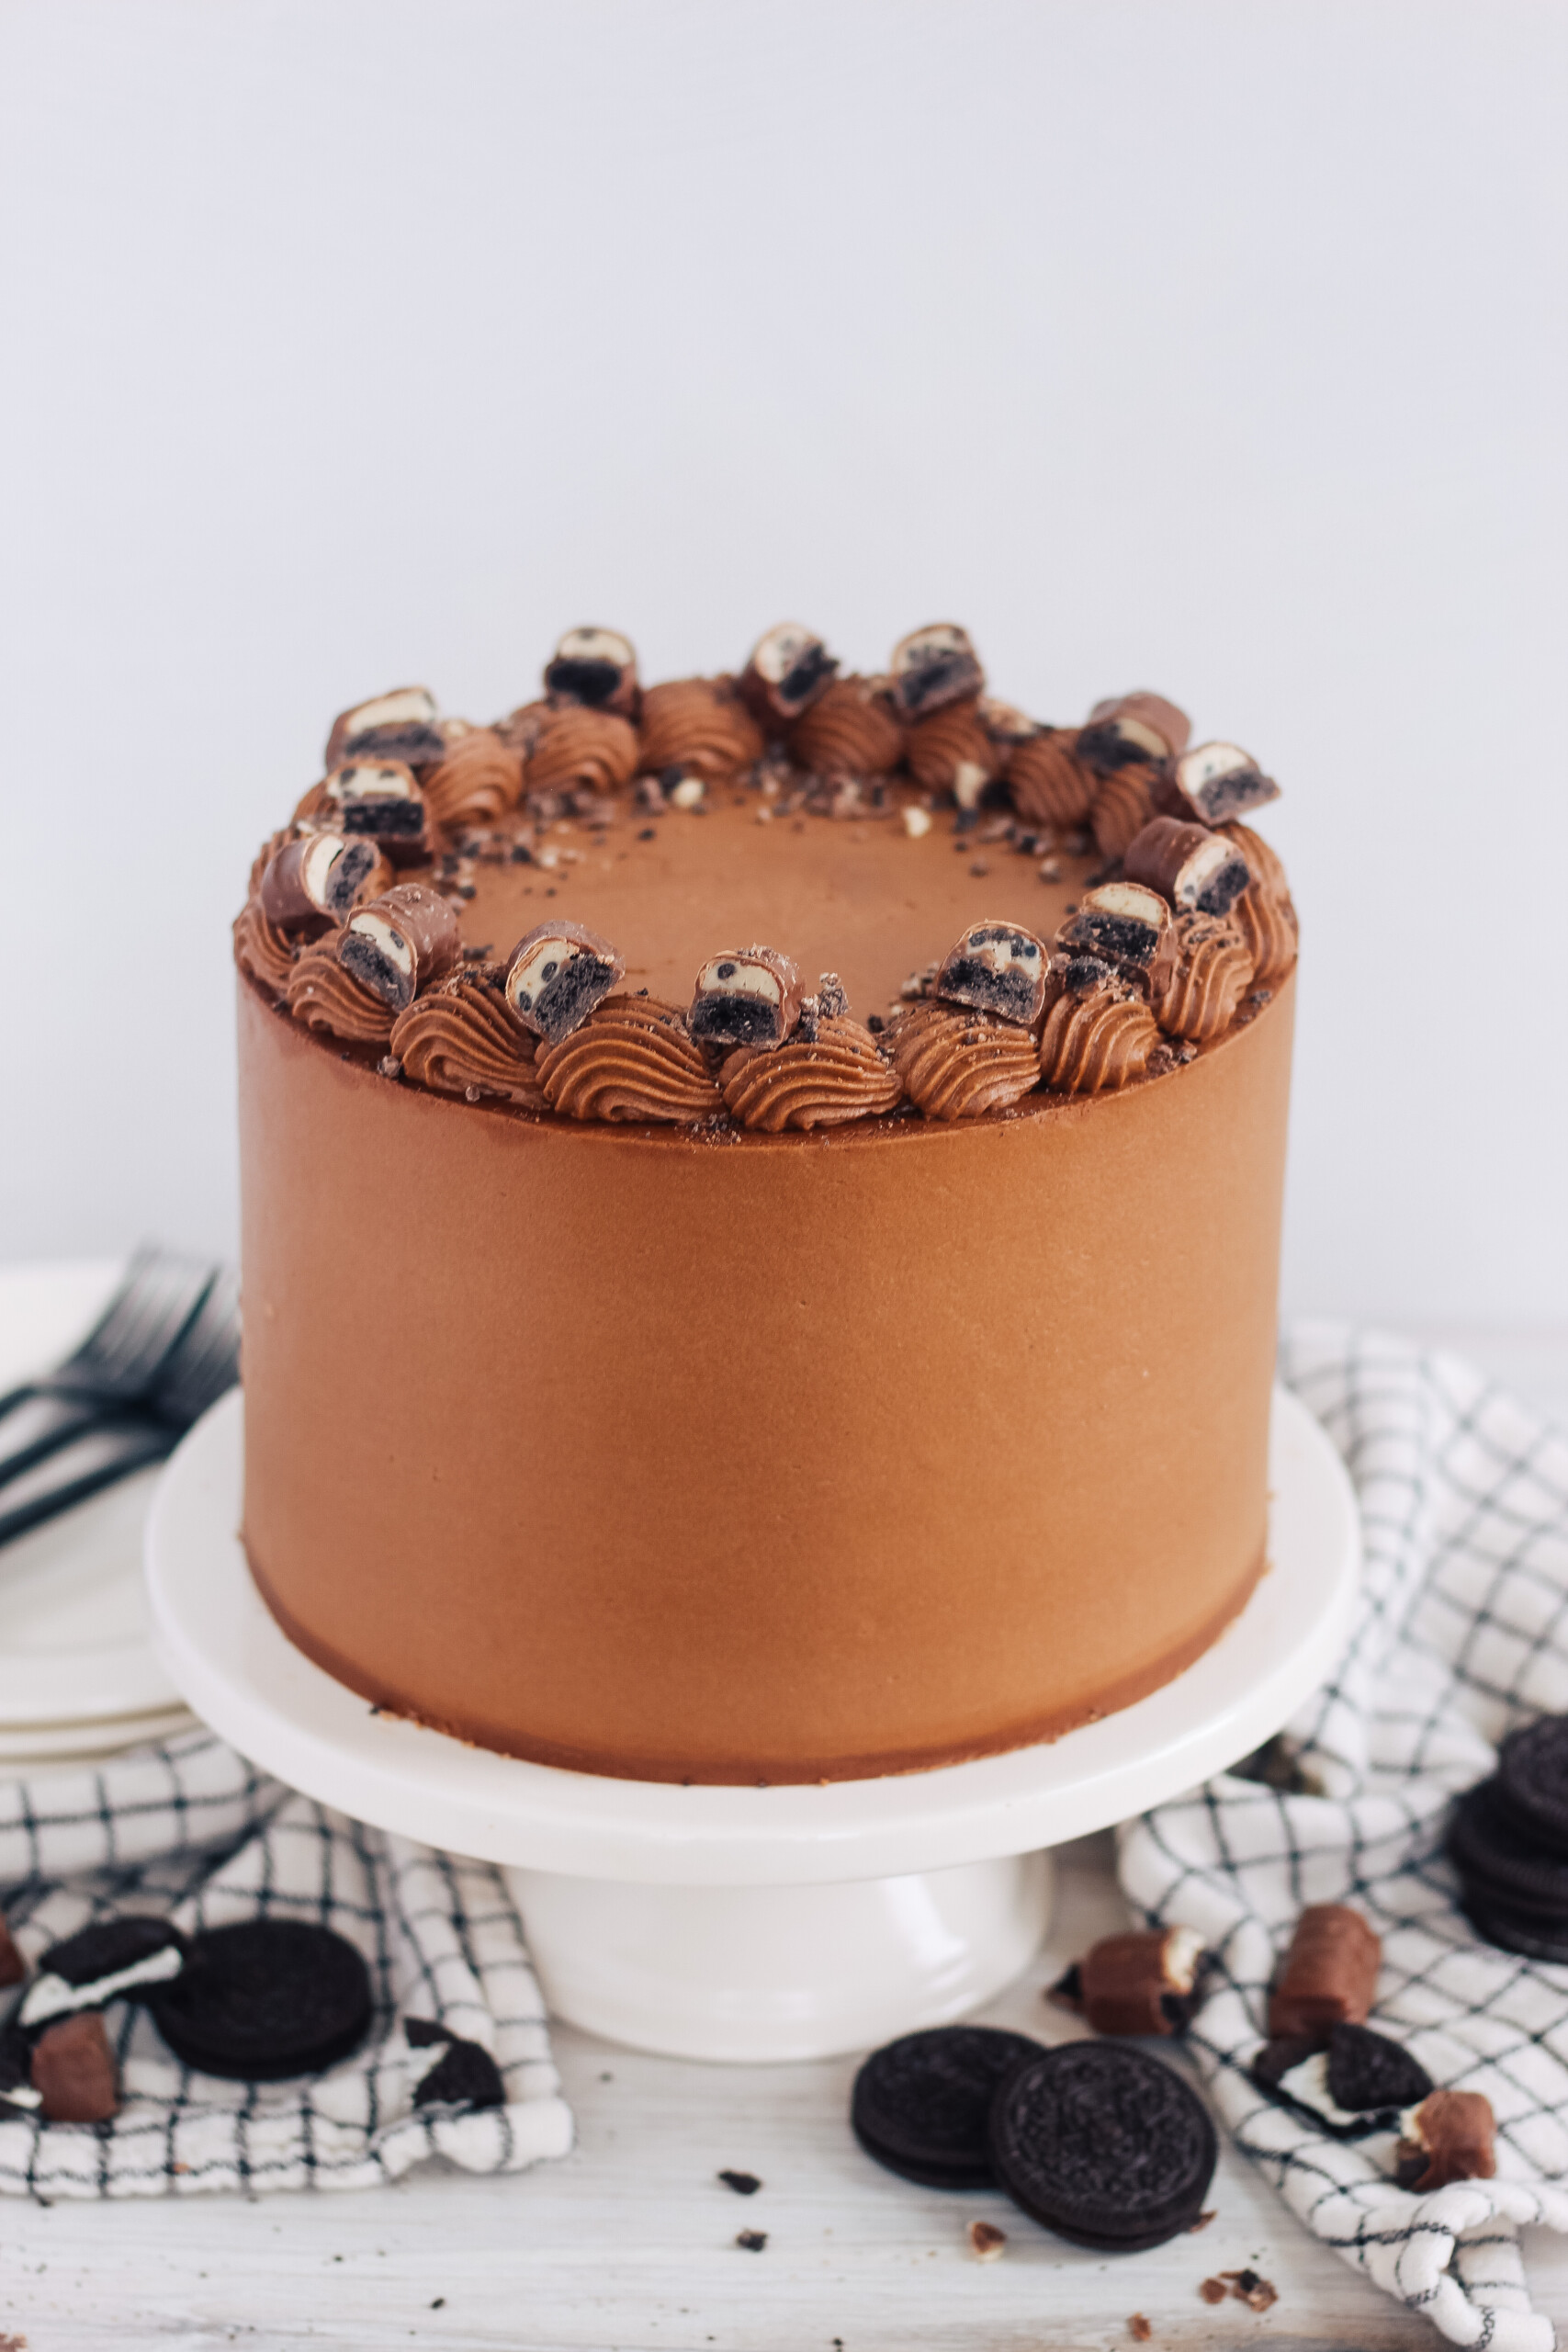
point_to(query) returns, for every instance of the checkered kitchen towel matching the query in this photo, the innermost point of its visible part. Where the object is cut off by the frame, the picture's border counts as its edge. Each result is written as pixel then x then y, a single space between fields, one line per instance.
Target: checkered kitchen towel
pixel 190 1831
pixel 1462 1634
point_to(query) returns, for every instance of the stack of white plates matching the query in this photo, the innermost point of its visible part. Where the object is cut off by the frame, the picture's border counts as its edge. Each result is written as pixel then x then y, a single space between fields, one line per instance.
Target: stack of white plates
pixel 78 1678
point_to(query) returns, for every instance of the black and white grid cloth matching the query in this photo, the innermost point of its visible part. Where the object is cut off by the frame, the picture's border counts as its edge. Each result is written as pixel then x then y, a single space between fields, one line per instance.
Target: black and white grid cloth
pixel 1462 1633
pixel 190 1831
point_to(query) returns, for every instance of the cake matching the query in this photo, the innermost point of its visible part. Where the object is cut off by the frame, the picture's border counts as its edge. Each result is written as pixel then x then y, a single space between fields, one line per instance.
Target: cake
pixel 761 1204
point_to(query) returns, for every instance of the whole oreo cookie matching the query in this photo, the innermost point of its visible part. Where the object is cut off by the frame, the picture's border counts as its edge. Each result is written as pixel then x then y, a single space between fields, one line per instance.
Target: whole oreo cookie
pixel 921 2105
pixel 1532 1780
pixel 1104 2145
pixel 1526 1932
pixel 266 1998
pixel 1501 1863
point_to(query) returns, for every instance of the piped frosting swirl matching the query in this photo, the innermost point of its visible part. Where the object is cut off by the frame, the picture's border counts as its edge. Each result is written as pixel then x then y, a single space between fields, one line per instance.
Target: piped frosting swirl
pixel 1208 979
pixel 952 752
pixel 1050 785
pixel 324 995
pixel 632 1059
pixel 576 748
pixel 851 731
pixel 1123 804
pixel 958 1065
pixel 1095 1042
pixel 822 1082
pixel 700 725
pixel 1265 913
pixel 479 779
pixel 461 1039
pixel 261 949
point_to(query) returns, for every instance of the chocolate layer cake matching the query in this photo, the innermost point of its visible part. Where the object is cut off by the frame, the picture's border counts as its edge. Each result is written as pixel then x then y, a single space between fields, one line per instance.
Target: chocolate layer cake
pixel 761 1206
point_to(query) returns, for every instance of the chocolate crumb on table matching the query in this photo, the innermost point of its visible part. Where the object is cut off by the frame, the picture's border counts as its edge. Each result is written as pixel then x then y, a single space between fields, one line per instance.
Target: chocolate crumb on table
pixel 1139 2329
pixel 1214 2290
pixel 753 2241
pixel 1247 2287
pixel 986 2240
pixel 745 2184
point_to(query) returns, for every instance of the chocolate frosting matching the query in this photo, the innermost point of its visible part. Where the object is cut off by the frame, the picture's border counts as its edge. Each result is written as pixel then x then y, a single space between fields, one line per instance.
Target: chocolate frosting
pixel 1265 913
pixel 839 1075
pixel 959 1064
pixel 852 731
pixel 322 995
pixel 1050 785
pixel 462 1037
pixel 952 752
pixel 701 725
pixel 1122 805
pixel 576 747
pixel 1212 973
pixel 632 1059
pixel 1098 1042
pixel 262 949
pixel 479 779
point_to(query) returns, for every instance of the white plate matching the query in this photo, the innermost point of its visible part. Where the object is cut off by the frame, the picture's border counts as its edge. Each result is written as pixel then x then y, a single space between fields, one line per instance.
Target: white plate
pixel 74 1626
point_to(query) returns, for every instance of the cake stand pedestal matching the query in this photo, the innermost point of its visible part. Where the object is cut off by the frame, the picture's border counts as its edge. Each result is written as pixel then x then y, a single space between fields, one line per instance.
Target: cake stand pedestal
pixel 739 1923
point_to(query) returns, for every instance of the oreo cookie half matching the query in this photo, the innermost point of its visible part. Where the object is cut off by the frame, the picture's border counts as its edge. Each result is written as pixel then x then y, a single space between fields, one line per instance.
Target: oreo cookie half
pixel 1104 2145
pixel 266 1998
pixel 1501 1863
pixel 1361 2083
pixel 129 1959
pixel 1532 1780
pixel 921 2105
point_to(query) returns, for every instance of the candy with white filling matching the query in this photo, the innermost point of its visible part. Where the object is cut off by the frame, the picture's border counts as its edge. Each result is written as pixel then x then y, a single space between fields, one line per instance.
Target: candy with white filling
pixel 1137 1983
pixel 556 974
pixel 382 799
pixel 1199 872
pixel 319 880
pixel 932 667
pixel 787 670
pixel 399 726
pixel 1452 2135
pixel 1127 729
pixel 1125 923
pixel 596 667
pixel 746 996
pixel 998 967
pixel 401 942
pixel 1213 783
pixel 1330 1973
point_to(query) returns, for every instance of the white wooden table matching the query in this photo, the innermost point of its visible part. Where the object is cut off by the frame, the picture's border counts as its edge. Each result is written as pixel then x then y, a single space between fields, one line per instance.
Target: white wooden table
pixel 630 2242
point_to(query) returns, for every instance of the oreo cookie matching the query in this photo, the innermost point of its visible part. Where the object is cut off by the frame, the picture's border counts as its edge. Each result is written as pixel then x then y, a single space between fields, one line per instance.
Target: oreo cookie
pixel 921 2106
pixel 129 1959
pixel 1504 1864
pixel 1103 2146
pixel 1532 1780
pixel 1361 2083
pixel 1526 1932
pixel 266 1998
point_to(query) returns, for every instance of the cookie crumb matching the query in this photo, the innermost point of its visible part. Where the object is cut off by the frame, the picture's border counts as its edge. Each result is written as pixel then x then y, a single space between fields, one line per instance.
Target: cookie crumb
pixel 1247 2287
pixel 1139 2329
pixel 1214 2290
pixel 1202 2222
pixel 745 2184
pixel 753 2241
pixel 986 2240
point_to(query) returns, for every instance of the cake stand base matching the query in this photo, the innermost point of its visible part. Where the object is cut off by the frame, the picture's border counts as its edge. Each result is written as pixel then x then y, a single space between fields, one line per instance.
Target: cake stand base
pixel 746 1923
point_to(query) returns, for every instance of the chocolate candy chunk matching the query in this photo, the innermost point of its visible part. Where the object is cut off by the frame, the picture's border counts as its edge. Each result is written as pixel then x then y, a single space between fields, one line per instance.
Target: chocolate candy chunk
pixel 1127 731
pixel 998 967
pixel 313 883
pixel 1504 1864
pixel 556 974
pixel 1452 2135
pixel 464 2075
pixel 1359 2083
pixel 921 2105
pixel 74 2071
pixel 931 667
pixel 13 1967
pixel 1214 783
pixel 399 942
pixel 406 707
pixel 1125 923
pixel 382 800
pixel 1197 871
pixel 114 1960
pixel 266 1998
pixel 595 667
pixel 788 669
pixel 1532 1780
pixel 746 996
pixel 1104 2145
pixel 1137 1983
pixel 1330 1975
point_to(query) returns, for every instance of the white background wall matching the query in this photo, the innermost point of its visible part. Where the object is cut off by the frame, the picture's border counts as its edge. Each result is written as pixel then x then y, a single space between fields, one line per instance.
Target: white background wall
pixel 1197 344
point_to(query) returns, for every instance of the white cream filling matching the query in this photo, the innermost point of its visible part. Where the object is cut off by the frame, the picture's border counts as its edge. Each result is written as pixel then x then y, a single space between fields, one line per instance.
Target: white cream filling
pixel 1179 1955
pixel 733 976
pixel 392 943
pixel 51 1996
pixel 1308 2085
pixel 1201 868
pixel 917 822
pixel 595 645
pixel 1131 901
pixel 969 780
pixel 778 652
pixel 1138 732
pixel 410 706
pixel 372 780
pixel 320 854
pixel 928 645
pixel 526 981
pixel 1210 761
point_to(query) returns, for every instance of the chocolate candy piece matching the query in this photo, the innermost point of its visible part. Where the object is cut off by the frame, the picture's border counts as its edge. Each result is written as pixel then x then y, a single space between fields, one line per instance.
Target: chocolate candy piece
pixel 1197 871
pixel 266 1998
pixel 746 996
pixel 1330 1973
pixel 113 1960
pixel 1532 1780
pixel 381 798
pixel 788 669
pixel 399 942
pixel 934 666
pixel 1137 1983
pixel 1125 923
pixel 1359 2083
pixel 556 974
pixel 595 667
pixel 1216 782
pixel 998 967
pixel 13 1967
pixel 313 883
pixel 407 713
pixel 921 2105
pixel 1128 729
pixel 74 2071
pixel 1452 2135
pixel 1503 1864
pixel 464 2075
pixel 1104 2145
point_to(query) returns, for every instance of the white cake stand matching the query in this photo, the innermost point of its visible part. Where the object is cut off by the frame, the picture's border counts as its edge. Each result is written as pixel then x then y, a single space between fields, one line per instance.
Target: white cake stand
pixel 753 1924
